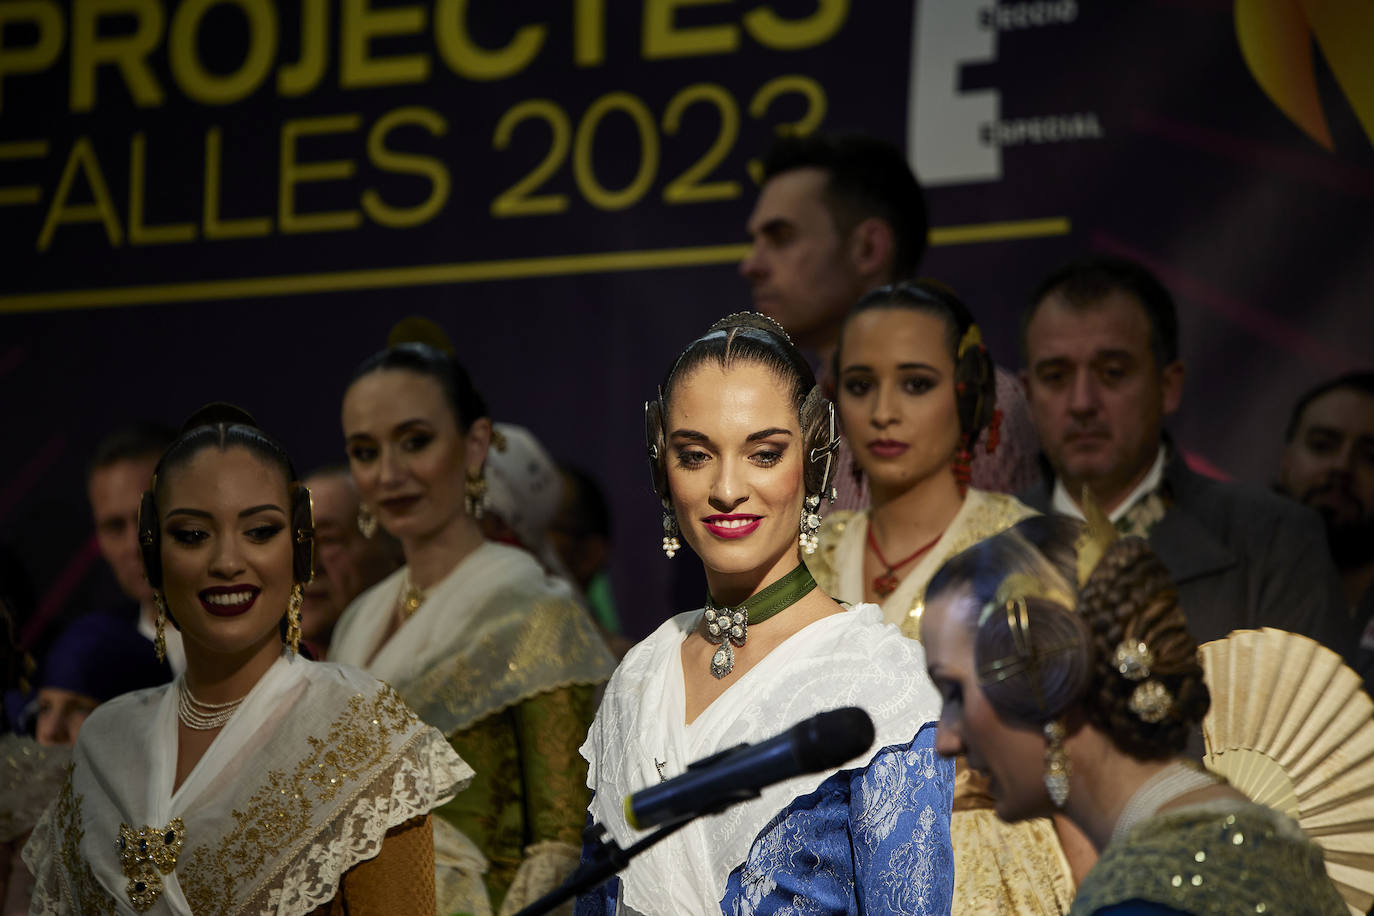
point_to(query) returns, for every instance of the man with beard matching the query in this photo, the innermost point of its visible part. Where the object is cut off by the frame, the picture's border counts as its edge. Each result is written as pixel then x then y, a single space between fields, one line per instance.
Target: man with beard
pixel 1328 464
pixel 1100 343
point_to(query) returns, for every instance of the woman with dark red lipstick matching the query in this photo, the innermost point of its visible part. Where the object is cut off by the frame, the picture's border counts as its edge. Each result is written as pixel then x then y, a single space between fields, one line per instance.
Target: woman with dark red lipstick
pixel 740 443
pixel 915 388
pixel 257 781
pixel 472 634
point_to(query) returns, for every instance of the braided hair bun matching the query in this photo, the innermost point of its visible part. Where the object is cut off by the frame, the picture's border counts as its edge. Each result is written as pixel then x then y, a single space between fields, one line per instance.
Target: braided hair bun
pixel 1130 598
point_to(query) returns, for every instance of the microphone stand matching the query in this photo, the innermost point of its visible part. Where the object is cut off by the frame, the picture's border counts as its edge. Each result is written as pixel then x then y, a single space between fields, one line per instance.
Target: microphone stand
pixel 607 859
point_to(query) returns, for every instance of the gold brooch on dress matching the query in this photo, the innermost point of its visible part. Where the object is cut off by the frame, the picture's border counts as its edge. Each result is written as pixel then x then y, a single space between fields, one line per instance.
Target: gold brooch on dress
pixel 147 854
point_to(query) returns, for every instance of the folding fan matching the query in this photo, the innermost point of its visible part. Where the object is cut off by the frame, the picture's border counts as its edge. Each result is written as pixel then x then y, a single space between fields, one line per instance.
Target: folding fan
pixel 1292 728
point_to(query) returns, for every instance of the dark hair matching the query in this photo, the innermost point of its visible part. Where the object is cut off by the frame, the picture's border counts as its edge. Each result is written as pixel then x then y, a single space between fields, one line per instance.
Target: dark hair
pixel 129 443
pixel 221 425
pixel 1363 382
pixel 1129 596
pixel 867 177
pixel 1085 282
pixel 975 378
pixel 752 338
pixel 425 359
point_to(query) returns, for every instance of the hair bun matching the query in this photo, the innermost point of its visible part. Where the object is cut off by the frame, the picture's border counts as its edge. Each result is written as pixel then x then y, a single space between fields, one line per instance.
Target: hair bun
pixel 417 329
pixel 218 412
pixel 755 320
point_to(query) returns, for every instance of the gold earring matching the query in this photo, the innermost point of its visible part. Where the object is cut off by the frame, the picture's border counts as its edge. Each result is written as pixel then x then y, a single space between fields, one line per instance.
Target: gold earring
pixel 160 640
pixel 367 522
pixel 293 618
pixel 475 493
pixel 1057 767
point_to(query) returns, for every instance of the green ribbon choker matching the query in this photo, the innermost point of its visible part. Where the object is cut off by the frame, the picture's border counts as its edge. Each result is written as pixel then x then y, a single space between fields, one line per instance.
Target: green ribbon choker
pixel 727 625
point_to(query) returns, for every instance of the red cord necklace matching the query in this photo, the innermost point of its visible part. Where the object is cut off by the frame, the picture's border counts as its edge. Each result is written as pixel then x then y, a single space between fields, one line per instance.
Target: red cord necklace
pixel 887 583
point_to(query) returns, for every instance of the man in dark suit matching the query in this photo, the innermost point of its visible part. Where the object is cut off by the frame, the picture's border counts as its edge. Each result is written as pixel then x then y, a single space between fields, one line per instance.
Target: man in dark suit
pixel 1100 344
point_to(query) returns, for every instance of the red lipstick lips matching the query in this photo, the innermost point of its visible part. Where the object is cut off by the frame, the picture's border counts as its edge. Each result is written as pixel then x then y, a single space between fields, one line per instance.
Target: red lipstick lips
pixel 887 448
pixel 228 600
pixel 731 527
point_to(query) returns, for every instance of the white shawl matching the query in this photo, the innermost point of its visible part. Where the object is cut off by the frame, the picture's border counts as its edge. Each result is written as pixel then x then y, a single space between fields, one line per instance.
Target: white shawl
pixel 301 784
pixel 493 632
pixel 847 659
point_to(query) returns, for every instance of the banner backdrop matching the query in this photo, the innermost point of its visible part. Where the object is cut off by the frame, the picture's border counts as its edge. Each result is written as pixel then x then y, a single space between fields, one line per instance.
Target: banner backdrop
pixel 235 200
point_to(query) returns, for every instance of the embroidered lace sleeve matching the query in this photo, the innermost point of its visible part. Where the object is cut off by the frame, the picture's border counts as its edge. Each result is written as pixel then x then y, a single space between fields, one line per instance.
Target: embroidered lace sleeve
pixel 873 840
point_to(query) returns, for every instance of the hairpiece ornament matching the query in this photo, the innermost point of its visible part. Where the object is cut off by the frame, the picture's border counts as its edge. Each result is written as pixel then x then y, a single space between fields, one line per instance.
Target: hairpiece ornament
pixel 1057 768
pixel 1151 702
pixel 293 618
pixel 1020 586
pixel 1133 659
pixel 973 337
pixel 145 855
pixel 1096 538
pixel 160 640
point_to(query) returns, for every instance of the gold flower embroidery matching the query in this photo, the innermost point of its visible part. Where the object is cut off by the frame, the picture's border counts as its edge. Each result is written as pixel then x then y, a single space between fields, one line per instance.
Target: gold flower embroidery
pixel 279 814
pixel 89 896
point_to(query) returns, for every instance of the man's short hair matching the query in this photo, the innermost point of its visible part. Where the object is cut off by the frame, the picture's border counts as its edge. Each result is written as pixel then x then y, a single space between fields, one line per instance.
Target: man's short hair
pixel 868 177
pixel 130 443
pixel 1363 382
pixel 1087 281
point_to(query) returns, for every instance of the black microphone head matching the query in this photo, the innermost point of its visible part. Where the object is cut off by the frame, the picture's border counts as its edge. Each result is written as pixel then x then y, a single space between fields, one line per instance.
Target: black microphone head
pixel 832 738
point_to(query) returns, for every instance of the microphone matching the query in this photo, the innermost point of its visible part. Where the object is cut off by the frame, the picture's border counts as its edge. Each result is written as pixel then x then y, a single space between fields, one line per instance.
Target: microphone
pixel 825 740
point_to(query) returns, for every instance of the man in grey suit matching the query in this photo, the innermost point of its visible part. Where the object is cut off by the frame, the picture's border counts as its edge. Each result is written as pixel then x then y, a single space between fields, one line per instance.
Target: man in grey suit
pixel 1100 344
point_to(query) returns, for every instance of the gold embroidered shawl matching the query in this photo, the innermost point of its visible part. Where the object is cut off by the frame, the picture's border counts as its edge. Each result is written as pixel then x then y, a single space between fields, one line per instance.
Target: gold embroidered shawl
pixel 300 785
pixel 1217 857
pixel 496 631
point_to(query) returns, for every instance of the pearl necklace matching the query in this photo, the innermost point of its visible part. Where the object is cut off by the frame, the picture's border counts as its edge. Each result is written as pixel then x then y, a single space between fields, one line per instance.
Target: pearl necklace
pixel 1168 784
pixel 203 717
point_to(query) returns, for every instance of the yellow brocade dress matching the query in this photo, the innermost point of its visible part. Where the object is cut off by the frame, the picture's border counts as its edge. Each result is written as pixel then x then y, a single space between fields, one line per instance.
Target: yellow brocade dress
pixel 999 868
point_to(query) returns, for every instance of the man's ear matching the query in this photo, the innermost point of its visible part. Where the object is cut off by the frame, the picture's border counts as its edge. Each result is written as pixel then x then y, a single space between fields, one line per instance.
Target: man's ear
pixel 872 248
pixel 1171 386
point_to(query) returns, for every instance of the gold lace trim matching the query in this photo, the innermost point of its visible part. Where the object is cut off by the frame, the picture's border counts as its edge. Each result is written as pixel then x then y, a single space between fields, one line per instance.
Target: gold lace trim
pixel 279 815
pixel 552 645
pixel 84 891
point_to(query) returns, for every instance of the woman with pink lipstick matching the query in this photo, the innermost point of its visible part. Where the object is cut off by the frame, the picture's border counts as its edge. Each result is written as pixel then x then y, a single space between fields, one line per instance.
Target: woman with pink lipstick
pixel 740 441
pixel 915 388
pixel 472 634
pixel 257 781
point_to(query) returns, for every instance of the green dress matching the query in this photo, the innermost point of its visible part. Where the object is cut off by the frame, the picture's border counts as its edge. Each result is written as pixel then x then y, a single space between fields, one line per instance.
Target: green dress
pixel 504 662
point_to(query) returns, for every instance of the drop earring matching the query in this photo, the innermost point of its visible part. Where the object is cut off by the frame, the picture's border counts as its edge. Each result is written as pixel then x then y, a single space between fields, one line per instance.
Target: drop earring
pixel 671 545
pixel 293 618
pixel 475 493
pixel 160 640
pixel 1057 767
pixel 367 522
pixel 810 524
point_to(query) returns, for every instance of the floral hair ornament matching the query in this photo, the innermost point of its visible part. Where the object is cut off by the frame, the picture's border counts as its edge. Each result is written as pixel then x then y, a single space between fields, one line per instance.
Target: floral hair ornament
pixel 1150 701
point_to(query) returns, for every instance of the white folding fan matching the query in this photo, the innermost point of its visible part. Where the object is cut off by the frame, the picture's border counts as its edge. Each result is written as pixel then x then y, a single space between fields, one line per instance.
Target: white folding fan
pixel 1292 727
